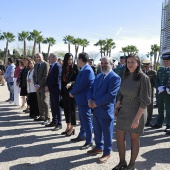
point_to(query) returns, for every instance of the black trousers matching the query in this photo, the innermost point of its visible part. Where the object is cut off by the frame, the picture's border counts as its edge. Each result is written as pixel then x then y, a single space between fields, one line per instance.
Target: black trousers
pixel 69 107
pixel 32 98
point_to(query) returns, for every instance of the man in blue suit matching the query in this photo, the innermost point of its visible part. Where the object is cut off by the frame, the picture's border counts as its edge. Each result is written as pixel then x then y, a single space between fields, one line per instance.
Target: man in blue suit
pixel 53 85
pixel 101 98
pixel 80 90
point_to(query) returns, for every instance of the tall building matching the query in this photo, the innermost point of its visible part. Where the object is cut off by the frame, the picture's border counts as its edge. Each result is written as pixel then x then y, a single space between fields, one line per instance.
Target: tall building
pixel 165 28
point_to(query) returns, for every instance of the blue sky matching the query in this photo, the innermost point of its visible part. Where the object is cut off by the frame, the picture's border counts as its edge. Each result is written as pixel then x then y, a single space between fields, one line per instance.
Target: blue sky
pixel 127 22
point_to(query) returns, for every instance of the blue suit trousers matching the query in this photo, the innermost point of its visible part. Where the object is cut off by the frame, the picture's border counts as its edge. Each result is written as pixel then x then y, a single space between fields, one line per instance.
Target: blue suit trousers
pixel 103 132
pixel 86 123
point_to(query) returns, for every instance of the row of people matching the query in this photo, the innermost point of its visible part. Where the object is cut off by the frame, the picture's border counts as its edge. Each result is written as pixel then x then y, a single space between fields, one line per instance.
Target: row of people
pixel 98 94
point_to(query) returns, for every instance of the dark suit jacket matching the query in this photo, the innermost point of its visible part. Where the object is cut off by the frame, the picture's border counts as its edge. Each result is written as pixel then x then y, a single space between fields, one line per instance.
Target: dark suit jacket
pixel 82 85
pixel 40 77
pixel 104 94
pixel 71 77
pixel 54 78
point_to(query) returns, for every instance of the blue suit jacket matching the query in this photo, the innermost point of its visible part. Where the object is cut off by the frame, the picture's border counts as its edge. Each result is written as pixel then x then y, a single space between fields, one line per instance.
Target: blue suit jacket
pixel 54 78
pixel 84 81
pixel 104 94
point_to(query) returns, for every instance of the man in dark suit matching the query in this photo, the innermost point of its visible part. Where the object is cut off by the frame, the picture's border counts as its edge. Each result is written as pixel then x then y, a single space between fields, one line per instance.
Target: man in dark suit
pixel 101 98
pixel 152 75
pixel 80 90
pixel 40 77
pixel 121 67
pixel 53 85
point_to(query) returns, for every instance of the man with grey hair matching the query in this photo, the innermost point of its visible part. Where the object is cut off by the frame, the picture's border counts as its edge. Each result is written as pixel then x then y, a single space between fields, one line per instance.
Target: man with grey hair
pixel 101 98
pixel 40 77
pixel 53 85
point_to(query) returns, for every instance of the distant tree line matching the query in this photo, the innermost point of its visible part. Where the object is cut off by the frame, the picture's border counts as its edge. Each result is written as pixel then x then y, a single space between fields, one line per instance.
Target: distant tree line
pixel 105 46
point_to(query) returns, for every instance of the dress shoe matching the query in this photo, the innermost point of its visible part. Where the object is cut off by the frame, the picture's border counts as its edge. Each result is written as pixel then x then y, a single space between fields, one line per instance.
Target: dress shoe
pixel 58 127
pixel 50 125
pixel 103 159
pixel 7 100
pixel 120 166
pixel 86 146
pixel 95 151
pixel 148 124
pixel 27 111
pixel 156 126
pixel 78 139
pixel 39 119
pixel 69 133
pixel 46 122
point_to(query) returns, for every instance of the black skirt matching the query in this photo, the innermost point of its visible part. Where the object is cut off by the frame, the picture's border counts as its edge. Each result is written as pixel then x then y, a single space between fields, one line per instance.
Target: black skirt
pixel 23 91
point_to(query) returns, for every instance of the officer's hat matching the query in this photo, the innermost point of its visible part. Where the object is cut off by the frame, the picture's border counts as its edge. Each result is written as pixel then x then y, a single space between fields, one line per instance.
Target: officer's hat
pixel 165 57
pixel 146 62
pixel 123 57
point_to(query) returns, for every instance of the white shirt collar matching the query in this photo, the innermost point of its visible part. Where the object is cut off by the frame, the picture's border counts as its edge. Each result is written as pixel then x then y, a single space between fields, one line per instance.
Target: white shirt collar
pixel 83 67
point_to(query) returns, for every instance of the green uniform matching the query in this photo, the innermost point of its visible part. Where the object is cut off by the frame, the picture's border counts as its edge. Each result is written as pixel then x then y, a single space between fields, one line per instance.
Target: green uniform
pixel 163 98
pixel 152 75
pixel 119 70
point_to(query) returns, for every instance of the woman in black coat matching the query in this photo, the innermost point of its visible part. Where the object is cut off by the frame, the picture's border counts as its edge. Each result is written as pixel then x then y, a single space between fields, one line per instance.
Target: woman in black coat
pixel 69 74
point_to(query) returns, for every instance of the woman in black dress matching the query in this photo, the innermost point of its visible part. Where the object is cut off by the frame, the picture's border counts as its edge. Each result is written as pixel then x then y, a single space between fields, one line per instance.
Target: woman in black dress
pixel 22 81
pixel 69 74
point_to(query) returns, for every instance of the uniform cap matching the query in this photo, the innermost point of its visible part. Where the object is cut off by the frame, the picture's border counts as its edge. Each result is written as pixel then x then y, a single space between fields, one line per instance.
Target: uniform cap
pixel 165 57
pixel 123 57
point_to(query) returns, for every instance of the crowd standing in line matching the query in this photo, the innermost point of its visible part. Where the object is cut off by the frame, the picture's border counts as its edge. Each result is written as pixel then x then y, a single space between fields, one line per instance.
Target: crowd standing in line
pixel 94 92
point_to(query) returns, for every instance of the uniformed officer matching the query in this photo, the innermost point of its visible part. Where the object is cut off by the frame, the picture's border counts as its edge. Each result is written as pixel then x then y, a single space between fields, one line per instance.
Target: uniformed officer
pixel 121 67
pixel 162 83
pixel 151 74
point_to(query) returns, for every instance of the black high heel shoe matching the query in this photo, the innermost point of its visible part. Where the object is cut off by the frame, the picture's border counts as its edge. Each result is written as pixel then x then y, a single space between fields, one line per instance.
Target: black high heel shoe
pixel 70 133
pixel 65 132
pixel 120 167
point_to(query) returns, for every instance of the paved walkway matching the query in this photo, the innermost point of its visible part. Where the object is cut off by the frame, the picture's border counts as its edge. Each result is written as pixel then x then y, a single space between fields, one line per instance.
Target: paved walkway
pixel 27 145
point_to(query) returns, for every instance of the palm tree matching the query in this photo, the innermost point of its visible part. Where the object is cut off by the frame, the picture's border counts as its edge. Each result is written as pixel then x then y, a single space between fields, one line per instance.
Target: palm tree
pixel 33 37
pixel 22 37
pixel 155 49
pixel 130 49
pixel 40 40
pixel 68 40
pixel 50 41
pixel 101 43
pixel 109 46
pixel 10 37
pixel 76 42
pixel 85 43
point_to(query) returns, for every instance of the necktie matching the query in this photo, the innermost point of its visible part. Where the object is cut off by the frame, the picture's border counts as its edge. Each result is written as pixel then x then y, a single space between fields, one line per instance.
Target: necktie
pixel 38 67
pixel 102 78
pixel 50 69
